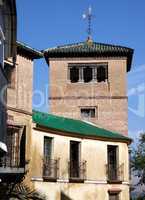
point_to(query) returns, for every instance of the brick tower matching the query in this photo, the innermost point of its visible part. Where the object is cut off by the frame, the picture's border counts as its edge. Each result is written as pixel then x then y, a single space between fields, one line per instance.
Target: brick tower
pixel 88 82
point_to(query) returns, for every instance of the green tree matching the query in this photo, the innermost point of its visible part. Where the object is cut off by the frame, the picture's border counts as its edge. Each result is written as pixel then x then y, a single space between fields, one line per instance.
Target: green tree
pixel 138 165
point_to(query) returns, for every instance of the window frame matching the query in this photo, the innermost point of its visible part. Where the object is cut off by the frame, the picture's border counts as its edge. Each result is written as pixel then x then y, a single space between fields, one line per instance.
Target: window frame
pixel 114 193
pixel 105 66
pixel 116 147
pixel 90 107
pixel 52 145
pixel 79 148
pixel 84 78
pixel 82 66
pixel 14 144
pixel 77 68
pixel 77 171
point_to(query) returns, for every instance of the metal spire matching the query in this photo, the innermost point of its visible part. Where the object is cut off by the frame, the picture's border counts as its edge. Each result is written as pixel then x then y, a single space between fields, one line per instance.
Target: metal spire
pixel 88 15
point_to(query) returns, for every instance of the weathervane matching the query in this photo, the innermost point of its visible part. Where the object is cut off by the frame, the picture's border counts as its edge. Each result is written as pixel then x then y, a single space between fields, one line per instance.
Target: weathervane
pixel 88 15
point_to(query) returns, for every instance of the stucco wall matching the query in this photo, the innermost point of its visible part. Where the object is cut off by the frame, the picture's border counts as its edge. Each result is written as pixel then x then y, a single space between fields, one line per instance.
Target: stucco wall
pixel 25 120
pixel 109 98
pixel 94 152
pixel 68 191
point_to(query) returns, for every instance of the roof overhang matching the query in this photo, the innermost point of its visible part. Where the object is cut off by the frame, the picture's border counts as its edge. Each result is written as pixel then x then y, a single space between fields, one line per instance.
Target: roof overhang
pixel 28 51
pixel 97 50
pixel 42 128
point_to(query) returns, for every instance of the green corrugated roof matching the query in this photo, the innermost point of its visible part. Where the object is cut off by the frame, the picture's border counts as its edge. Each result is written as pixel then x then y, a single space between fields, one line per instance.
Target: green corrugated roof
pixel 90 49
pixel 74 126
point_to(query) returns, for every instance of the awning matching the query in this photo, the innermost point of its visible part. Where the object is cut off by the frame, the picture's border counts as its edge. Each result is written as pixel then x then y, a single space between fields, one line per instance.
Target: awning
pixel 3 147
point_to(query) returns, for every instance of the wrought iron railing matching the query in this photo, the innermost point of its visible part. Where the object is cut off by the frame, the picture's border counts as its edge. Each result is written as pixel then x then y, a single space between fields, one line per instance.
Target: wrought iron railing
pixel 15 141
pixel 115 174
pixel 50 168
pixel 77 170
pixel 7 161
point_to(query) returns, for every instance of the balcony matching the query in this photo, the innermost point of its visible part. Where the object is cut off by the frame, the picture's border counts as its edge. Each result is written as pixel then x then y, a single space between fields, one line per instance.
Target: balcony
pixel 12 165
pixel 115 174
pixel 77 171
pixel 9 165
pixel 50 169
pixel 11 170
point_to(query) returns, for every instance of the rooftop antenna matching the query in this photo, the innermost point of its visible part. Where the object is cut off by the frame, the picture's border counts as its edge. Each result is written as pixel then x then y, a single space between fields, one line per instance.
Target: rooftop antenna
pixel 88 16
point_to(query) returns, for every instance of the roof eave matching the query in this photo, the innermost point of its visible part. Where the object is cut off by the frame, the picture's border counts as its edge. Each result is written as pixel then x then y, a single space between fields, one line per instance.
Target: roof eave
pixel 73 134
pixel 129 60
pixel 129 55
pixel 27 51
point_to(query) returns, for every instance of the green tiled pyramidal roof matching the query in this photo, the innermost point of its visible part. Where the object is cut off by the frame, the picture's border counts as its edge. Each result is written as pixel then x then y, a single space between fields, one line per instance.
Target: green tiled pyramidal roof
pixel 74 126
pixel 92 49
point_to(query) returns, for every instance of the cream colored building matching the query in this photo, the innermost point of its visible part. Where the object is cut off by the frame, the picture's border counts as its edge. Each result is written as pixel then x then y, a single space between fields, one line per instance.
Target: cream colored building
pixel 76 160
pixel 73 158
pixel 70 156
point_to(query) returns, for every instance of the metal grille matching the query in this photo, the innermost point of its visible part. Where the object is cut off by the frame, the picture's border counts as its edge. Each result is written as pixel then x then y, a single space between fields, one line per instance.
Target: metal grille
pixel 50 168
pixel 77 171
pixel 115 174
pixel 12 158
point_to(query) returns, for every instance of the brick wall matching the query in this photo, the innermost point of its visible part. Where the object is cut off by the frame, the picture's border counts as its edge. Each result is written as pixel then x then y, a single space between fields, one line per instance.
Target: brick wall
pixel 20 95
pixel 108 97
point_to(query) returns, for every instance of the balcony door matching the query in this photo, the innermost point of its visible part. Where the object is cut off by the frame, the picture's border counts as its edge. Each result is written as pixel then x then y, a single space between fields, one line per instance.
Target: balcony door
pixel 49 164
pixel 114 196
pixel 112 162
pixel 47 148
pixel 74 159
pixel 16 146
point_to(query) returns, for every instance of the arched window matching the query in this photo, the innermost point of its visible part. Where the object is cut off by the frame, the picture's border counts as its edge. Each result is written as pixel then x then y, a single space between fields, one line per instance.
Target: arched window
pixel 102 73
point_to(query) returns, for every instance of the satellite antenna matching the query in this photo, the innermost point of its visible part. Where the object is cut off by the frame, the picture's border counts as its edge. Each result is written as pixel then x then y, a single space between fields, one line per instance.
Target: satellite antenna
pixel 88 16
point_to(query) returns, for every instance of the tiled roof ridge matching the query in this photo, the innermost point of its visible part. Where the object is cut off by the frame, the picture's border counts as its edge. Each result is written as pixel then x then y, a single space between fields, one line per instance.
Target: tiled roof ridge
pixel 89 45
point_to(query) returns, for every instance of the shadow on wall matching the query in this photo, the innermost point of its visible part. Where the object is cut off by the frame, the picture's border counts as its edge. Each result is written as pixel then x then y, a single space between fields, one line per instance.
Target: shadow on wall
pixel 64 197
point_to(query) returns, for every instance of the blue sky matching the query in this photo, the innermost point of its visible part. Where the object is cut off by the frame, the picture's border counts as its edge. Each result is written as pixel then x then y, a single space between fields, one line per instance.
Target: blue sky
pixel 43 24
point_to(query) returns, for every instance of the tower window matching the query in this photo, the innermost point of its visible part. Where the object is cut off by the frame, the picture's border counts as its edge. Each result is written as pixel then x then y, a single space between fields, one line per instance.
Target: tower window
pixel 102 73
pixel 87 113
pixel 88 74
pixel 74 74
